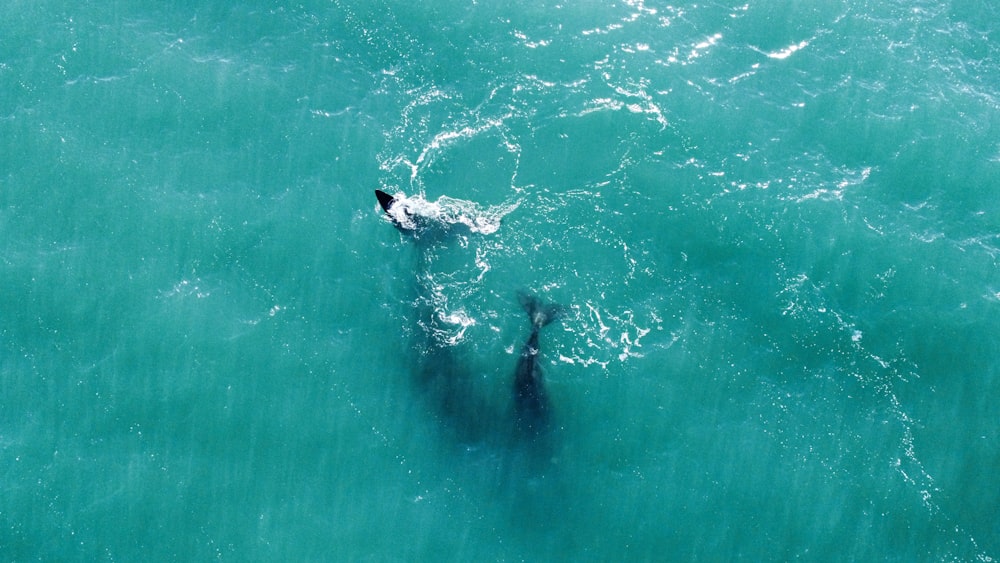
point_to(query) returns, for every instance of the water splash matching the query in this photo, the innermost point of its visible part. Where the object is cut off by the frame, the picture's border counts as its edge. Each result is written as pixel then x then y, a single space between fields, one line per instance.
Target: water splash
pixel 416 212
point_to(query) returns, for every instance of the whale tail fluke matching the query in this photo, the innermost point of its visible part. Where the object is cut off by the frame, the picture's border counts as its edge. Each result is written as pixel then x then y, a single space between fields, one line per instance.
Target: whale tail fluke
pixel 540 313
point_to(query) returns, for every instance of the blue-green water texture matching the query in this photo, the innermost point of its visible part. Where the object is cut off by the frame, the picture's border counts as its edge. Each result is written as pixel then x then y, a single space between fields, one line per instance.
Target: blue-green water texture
pixel 773 229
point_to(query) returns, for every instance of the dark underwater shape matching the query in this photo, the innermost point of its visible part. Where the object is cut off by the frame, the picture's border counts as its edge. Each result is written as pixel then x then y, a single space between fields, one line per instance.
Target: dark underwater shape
pixel 531 403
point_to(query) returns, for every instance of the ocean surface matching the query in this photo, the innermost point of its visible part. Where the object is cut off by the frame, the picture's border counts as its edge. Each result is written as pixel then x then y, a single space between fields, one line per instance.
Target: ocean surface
pixel 773 229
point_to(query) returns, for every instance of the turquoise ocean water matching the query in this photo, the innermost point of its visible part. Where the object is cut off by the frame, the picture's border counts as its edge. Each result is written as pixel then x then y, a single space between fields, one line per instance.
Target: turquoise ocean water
pixel 774 228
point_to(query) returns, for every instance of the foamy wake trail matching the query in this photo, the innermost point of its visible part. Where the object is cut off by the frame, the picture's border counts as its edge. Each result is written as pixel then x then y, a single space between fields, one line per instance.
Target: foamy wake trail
pixel 415 211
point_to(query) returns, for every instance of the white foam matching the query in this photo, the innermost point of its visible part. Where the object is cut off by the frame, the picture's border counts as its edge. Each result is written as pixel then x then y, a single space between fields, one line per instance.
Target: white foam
pixel 414 211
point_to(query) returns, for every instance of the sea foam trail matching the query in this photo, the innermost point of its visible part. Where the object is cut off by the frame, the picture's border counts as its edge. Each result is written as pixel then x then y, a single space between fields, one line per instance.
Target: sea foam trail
pixel 416 211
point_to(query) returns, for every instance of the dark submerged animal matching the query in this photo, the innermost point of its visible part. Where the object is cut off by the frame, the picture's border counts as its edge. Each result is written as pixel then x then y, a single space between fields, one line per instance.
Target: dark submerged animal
pixel 532 410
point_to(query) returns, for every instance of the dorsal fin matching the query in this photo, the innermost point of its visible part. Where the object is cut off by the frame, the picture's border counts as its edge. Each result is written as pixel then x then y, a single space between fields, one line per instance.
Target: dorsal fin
pixel 385 200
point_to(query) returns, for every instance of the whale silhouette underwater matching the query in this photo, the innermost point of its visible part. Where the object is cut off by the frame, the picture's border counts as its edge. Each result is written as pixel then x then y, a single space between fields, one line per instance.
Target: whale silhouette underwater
pixel 441 375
